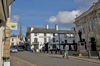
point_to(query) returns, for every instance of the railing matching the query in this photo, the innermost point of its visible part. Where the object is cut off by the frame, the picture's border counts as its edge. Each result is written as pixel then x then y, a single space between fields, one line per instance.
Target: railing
pixel 35 42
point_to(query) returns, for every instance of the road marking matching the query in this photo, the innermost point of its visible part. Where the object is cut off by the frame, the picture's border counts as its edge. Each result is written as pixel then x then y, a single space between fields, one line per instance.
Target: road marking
pixel 84 61
pixel 24 61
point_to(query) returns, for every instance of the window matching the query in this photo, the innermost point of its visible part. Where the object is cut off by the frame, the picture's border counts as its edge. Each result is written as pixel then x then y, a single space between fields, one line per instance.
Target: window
pixel 35 34
pixel 65 41
pixel 54 45
pixel 88 25
pixel 65 35
pixel 53 34
pixel 35 40
pixel 92 24
pixel 68 35
pixel 83 27
pixel 73 41
pixel 99 17
pixel 53 39
pixel 72 35
pixel 44 40
pixel 44 34
pixel 12 44
pixel 12 39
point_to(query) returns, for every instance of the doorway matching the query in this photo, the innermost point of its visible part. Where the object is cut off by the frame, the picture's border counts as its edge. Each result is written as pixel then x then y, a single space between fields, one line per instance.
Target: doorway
pixel 93 44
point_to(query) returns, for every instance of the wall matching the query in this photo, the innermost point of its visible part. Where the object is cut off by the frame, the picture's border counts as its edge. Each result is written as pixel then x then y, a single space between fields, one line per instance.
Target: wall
pixel 1 44
pixel 50 40
pixel 96 25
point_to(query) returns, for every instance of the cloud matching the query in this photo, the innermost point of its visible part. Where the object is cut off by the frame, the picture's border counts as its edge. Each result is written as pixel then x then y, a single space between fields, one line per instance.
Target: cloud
pixel 66 18
pixel 15 18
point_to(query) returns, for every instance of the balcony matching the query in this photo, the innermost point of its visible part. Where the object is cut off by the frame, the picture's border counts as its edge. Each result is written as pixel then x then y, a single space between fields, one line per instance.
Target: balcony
pixel 35 42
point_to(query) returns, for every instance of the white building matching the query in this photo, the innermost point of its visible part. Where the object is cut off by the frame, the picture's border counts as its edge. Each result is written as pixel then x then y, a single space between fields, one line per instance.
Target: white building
pixel 50 37
pixel 14 41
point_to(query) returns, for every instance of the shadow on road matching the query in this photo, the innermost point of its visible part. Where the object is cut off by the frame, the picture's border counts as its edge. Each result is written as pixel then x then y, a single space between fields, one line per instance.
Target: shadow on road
pixel 55 57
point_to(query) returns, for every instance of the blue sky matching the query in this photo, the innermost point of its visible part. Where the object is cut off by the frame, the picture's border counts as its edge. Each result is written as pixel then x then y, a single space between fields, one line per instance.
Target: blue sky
pixel 38 13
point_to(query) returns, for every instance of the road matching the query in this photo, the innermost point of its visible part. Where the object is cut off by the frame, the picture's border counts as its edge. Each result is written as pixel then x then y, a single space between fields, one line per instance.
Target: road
pixel 40 59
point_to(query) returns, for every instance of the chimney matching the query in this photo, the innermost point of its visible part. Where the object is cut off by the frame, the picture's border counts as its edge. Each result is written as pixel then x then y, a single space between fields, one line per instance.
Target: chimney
pixel 94 3
pixel 13 34
pixel 56 27
pixel 76 16
pixel 46 26
pixel 32 28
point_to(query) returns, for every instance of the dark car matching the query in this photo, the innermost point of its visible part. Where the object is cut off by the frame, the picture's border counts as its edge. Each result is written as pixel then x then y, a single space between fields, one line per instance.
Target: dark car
pixel 20 49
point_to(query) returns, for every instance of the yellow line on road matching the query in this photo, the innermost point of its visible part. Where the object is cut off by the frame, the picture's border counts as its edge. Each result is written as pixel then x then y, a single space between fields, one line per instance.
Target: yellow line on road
pixel 84 61
pixel 24 61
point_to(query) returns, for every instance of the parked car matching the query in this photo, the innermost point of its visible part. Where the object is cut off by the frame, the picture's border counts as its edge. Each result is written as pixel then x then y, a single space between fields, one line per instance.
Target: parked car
pixel 13 50
pixel 20 49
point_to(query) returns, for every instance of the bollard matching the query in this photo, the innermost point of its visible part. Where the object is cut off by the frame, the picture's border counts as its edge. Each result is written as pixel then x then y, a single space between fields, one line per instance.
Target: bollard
pixel 47 51
pixel 99 54
pixel 51 51
pixel 55 52
pixel 44 51
pixel 61 52
pixel 89 53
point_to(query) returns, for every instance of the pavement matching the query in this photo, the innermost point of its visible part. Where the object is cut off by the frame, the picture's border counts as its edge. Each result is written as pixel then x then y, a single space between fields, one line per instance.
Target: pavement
pixel 93 59
pixel 17 62
pixel 45 59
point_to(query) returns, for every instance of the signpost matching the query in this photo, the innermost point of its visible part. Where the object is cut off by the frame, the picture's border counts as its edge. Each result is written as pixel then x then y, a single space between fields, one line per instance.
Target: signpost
pixel 12 26
pixel 6 63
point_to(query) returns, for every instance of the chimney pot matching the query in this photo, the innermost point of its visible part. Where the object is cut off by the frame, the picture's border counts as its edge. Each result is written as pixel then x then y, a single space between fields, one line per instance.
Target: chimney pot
pixel 46 26
pixel 94 3
pixel 76 16
pixel 56 27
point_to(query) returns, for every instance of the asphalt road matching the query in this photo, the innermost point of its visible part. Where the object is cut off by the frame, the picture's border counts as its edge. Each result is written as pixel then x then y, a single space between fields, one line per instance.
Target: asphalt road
pixel 49 60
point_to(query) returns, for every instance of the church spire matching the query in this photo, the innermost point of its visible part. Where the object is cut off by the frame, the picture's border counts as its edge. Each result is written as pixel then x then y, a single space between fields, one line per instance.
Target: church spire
pixel 20 29
pixel 20 35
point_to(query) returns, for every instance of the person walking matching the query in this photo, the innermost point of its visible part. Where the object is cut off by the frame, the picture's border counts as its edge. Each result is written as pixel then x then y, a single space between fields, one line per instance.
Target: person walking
pixel 30 50
pixel 66 50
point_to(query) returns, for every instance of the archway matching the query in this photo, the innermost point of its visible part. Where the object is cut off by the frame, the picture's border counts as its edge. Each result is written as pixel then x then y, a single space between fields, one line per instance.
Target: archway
pixel 93 44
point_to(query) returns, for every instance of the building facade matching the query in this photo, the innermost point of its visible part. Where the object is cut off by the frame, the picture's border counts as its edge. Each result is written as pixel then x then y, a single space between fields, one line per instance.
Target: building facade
pixel 50 38
pixel 4 15
pixel 14 41
pixel 89 24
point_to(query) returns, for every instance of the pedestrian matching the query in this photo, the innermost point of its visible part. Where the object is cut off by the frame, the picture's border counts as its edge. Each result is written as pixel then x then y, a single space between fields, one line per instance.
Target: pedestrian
pixel 49 49
pixel 30 50
pixel 71 48
pixel 66 51
pixel 34 49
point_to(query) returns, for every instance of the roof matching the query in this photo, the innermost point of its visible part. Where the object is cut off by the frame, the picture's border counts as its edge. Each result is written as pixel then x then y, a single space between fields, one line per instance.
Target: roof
pixel 90 10
pixel 13 36
pixel 51 30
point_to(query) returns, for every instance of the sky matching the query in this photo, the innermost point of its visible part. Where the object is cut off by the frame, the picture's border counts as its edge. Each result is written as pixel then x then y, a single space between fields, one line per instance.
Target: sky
pixel 38 13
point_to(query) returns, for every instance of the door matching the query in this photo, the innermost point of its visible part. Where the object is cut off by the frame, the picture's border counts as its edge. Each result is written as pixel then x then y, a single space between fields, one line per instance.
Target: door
pixel 93 44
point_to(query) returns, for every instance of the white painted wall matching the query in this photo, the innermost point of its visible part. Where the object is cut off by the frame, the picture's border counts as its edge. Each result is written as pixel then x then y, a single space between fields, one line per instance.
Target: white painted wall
pixel 14 40
pixel 50 40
